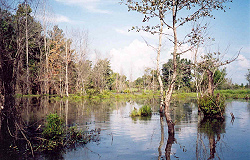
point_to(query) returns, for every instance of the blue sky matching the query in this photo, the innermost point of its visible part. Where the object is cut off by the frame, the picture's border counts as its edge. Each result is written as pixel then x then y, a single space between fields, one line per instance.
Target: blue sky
pixel 107 23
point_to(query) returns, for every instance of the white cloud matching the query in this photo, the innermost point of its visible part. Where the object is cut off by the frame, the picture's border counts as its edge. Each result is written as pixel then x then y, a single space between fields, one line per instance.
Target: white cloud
pixel 243 62
pixel 125 31
pixel 90 5
pixel 54 18
pixel 61 18
pixel 237 70
pixel 134 57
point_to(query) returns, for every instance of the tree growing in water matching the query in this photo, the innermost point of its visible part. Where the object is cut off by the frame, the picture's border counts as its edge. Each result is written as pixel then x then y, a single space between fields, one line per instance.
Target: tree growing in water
pixel 209 104
pixel 169 14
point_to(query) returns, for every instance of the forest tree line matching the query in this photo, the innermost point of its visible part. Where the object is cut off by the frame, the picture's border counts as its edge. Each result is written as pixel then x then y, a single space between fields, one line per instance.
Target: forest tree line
pixel 51 63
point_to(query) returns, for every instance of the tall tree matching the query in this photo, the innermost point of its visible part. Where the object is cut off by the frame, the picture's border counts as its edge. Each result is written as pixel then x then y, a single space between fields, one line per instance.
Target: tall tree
pixel 28 39
pixel 183 73
pixel 57 48
pixel 101 75
pixel 162 9
pixel 83 65
pixel 248 77
pixel 10 54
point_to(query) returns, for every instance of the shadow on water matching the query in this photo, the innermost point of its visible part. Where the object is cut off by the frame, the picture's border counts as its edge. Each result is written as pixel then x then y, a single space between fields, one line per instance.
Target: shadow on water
pixel 20 124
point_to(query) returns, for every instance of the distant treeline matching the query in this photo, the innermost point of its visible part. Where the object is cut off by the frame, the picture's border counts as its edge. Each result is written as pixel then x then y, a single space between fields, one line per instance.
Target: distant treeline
pixel 51 63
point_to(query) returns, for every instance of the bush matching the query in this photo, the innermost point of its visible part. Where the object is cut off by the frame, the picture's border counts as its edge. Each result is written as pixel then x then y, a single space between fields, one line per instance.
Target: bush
pixel 92 92
pixel 212 105
pixel 54 132
pixel 55 137
pixel 143 111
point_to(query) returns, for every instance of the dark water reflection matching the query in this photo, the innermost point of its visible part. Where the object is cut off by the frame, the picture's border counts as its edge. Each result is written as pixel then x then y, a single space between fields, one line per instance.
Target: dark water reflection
pixel 146 138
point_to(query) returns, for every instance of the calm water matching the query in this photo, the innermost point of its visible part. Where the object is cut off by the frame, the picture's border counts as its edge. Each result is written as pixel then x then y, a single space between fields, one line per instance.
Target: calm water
pixel 122 137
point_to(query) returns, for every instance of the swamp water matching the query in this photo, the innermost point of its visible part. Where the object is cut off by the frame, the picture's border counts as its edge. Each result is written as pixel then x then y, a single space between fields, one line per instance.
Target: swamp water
pixel 125 138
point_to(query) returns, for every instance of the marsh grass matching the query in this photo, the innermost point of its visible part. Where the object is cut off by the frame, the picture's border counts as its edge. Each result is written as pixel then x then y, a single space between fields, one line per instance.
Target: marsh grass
pixel 95 95
pixel 235 94
pixel 144 111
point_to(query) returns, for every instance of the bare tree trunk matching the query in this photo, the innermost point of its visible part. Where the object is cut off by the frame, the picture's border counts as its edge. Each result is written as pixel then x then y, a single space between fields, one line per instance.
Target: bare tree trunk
pixel 158 68
pixel 27 49
pixel 210 82
pixel 60 81
pixel 195 72
pixel 171 85
pixel 46 55
pixel 66 75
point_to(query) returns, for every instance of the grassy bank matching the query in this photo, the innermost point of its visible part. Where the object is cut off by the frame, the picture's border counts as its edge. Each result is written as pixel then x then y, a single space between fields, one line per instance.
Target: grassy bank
pixel 235 94
pixel 107 95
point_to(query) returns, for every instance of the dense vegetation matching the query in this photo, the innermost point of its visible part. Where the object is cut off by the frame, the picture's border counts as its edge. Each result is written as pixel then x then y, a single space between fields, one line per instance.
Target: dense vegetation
pixel 38 60
pixel 54 66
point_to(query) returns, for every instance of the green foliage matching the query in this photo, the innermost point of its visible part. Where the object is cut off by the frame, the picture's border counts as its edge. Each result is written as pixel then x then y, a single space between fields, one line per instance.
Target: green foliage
pixel 92 92
pixel 55 136
pixel 54 132
pixel 212 106
pixel 144 111
pixel 183 72
pixel 76 135
pixel 126 91
pixel 235 94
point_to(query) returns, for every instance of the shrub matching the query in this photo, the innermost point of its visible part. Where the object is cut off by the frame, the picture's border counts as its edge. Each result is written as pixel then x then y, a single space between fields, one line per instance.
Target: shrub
pixel 92 92
pixel 212 105
pixel 55 137
pixel 54 132
pixel 143 111
pixel 134 113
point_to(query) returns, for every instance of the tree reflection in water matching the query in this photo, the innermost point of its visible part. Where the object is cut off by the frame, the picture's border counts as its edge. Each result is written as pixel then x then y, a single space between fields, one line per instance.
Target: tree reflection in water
pixel 162 137
pixel 211 129
pixel 170 141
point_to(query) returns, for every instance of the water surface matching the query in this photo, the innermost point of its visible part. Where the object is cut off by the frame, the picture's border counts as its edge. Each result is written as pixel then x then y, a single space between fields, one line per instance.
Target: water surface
pixel 123 137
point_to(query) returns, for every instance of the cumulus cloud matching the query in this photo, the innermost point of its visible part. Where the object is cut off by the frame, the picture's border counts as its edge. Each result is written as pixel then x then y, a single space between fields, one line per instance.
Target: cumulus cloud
pixel 243 62
pixel 125 31
pixel 61 18
pixel 58 18
pixel 90 5
pixel 132 58
pixel 237 69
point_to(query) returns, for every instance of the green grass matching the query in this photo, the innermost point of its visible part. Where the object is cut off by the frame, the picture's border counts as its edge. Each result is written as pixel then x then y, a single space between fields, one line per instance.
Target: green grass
pixel 144 111
pixel 148 94
pixel 235 94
